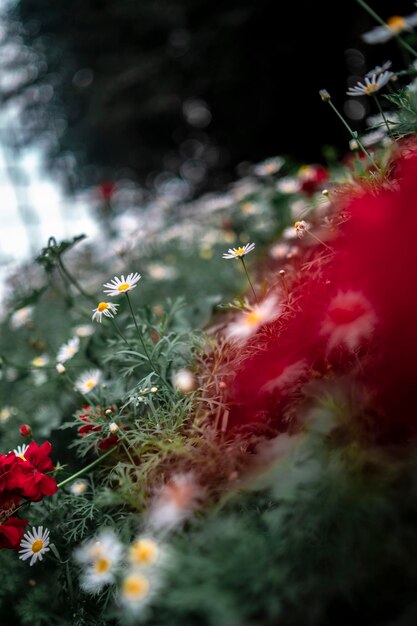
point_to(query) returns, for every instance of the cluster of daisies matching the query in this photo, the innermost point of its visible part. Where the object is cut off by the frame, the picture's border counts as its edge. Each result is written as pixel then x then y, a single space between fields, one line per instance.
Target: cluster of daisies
pixel 137 571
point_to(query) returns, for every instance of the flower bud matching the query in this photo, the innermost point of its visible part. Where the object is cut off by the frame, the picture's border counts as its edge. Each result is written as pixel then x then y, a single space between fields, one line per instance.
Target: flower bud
pixel 113 427
pixel 25 430
pixel 184 381
pixel 60 368
pixel 324 95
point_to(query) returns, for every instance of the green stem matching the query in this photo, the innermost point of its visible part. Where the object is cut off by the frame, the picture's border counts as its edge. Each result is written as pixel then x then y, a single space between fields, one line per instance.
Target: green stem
pixel 376 17
pixel 382 113
pixel 354 136
pixel 249 280
pixel 157 371
pixel 86 469
pixel 119 332
pixel 72 280
pixel 139 332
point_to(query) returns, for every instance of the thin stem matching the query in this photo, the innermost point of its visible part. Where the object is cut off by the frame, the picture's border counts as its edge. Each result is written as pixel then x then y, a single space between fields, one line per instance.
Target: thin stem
pixel 382 113
pixel 71 279
pixel 354 136
pixel 119 332
pixel 126 449
pixel 376 17
pixel 319 240
pixel 86 469
pixel 139 332
pixel 157 371
pixel 249 280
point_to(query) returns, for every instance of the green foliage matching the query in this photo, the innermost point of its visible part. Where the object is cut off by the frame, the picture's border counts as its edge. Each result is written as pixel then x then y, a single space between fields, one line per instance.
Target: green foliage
pixel 405 106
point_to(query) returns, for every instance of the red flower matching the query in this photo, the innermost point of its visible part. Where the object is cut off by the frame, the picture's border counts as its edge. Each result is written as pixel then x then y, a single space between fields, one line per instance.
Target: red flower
pixel 88 417
pixel 11 532
pixel 312 177
pixel 28 478
pixel 39 456
pixel 7 461
pixel 25 430
pixel 106 189
pixel 107 443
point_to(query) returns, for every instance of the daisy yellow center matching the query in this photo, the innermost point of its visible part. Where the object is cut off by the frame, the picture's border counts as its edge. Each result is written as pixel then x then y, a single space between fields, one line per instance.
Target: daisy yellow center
pixel 396 23
pixel 37 545
pixel 144 552
pixel 22 456
pixel 372 87
pixel 101 566
pixel 135 587
pixel 90 384
pixel 103 306
pixel 123 287
pixel 239 251
pixel 253 318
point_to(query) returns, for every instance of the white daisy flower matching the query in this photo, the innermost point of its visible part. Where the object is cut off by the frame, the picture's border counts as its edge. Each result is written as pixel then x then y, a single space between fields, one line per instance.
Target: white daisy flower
pixel 87 381
pixel 250 321
pixel 268 167
pixel 68 350
pixel 6 413
pixel 371 85
pixel 40 361
pixel 136 590
pixel 78 487
pixel 380 69
pixel 175 502
pixel 301 227
pixel 393 27
pixel 237 253
pixel 34 544
pixel 104 308
pixel 118 286
pixel 21 317
pixel 288 184
pixel 144 552
pixel 100 557
pixel 84 330
pixel 20 451
pixel 369 139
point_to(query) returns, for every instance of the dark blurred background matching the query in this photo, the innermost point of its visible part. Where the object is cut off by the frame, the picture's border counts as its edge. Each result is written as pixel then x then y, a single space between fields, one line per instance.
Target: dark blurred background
pixel 150 89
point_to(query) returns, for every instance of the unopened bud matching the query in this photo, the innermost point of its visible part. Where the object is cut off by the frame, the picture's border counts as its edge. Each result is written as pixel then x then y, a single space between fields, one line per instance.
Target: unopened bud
pixel 184 381
pixel 25 430
pixel 154 389
pixel 78 487
pixel 113 428
pixel 60 368
pixel 324 95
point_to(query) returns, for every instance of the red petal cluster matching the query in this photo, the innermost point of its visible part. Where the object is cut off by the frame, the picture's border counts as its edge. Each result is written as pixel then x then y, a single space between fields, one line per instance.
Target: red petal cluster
pixel 23 479
pixel 89 416
pixel 353 313
pixel 312 178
